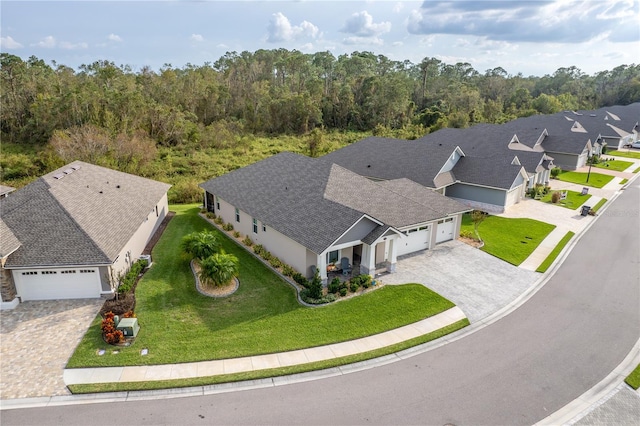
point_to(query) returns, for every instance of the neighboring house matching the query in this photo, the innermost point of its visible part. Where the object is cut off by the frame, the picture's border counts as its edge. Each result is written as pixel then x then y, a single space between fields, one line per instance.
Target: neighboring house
pixel 311 213
pixel 71 233
pixel 615 126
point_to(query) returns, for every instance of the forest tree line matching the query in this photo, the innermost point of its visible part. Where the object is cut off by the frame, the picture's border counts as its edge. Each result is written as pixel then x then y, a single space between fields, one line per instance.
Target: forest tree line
pixel 112 115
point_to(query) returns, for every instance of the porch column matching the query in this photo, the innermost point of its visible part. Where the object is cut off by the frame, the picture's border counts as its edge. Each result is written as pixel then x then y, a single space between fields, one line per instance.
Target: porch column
pixel 322 267
pixel 368 261
pixel 393 254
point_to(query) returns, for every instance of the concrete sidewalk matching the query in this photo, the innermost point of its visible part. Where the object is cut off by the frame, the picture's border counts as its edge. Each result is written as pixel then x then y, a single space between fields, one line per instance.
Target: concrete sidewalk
pixel 261 362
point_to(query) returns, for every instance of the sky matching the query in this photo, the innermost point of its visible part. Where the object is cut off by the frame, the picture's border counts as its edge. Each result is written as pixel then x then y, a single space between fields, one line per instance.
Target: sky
pixel 528 37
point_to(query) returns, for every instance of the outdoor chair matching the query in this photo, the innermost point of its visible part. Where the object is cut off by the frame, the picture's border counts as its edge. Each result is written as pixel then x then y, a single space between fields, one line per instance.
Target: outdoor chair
pixel 346 267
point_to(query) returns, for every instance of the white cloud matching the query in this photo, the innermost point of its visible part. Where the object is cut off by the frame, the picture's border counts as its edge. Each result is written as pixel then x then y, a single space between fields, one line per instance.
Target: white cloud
pixel 280 29
pixel 114 37
pixel 222 46
pixel 48 42
pixel 9 43
pixel 376 41
pixel 397 8
pixel 197 37
pixel 397 43
pixel 72 46
pixel 361 24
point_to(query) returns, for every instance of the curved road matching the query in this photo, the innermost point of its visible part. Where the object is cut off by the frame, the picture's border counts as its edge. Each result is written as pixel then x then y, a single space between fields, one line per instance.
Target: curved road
pixel 564 340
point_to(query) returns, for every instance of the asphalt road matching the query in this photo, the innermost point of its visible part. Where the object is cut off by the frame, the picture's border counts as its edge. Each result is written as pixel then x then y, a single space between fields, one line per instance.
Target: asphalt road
pixel 563 341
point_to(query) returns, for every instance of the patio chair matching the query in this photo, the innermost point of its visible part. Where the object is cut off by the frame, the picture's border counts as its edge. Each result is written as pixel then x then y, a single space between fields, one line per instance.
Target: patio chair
pixel 313 270
pixel 346 267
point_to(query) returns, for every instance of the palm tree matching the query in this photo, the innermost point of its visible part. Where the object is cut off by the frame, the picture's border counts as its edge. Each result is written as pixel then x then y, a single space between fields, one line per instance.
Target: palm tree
pixel 218 269
pixel 200 245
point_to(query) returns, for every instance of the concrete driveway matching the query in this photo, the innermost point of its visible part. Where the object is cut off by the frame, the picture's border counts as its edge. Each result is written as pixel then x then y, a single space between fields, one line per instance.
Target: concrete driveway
pixel 36 341
pixel 477 282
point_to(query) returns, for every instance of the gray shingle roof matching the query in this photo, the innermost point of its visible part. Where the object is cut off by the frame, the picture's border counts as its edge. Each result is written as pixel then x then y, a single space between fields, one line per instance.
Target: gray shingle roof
pixel 313 201
pixel 483 171
pixel 85 217
pixel 8 241
pixel 385 158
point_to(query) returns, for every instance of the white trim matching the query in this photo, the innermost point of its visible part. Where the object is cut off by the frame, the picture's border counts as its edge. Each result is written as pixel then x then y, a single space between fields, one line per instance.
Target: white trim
pixel 349 229
pixel 86 265
pixel 456 149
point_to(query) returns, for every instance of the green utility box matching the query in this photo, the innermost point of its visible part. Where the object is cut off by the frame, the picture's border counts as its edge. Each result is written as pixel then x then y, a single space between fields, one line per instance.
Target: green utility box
pixel 129 327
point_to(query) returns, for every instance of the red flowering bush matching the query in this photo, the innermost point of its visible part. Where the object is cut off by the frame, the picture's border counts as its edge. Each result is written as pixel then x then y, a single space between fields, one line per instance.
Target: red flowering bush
pixel 109 332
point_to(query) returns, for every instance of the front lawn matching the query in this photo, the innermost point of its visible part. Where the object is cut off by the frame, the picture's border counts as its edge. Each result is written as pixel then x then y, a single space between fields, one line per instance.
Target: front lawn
pixel 511 240
pixel 599 204
pixel 596 180
pixel 178 324
pixel 573 201
pixel 626 154
pixel 617 165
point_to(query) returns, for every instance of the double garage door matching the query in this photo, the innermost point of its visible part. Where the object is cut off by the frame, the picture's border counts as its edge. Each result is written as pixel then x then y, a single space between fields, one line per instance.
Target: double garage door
pixel 57 284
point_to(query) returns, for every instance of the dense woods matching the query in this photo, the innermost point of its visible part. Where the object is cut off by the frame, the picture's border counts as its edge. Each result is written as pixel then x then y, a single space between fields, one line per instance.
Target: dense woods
pixel 184 125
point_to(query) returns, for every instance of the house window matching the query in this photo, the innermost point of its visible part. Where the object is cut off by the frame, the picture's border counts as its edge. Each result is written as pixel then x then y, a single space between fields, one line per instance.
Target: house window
pixel 217 203
pixel 237 215
pixel 48 272
pixel 264 228
pixel 87 271
pixel 30 273
pixel 332 256
pixel 156 211
pixel 255 226
pixel 71 271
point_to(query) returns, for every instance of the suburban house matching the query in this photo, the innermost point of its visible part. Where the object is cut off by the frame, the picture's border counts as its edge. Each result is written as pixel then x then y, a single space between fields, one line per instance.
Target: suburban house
pixel 615 126
pixel 311 213
pixel 70 233
pixel 438 162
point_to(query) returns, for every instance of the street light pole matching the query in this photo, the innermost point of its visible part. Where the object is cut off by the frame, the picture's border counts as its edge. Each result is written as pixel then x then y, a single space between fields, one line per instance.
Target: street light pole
pixel 590 160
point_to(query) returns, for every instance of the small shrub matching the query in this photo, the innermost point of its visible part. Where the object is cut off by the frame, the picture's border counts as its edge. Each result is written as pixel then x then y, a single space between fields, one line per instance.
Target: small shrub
pixel 203 211
pixel 236 234
pixel 531 192
pixel 218 220
pixel 227 227
pixel 258 249
pixel 465 233
pixel 334 285
pixel 555 197
pixel 275 262
pixel 287 270
pixel 266 255
pixel 300 279
pixel 315 286
pixel 343 291
pixel 546 190
pixel 354 286
pixel 555 172
pixel 109 332
pixel 210 215
pixel 129 314
pixel 365 280
pixel 247 241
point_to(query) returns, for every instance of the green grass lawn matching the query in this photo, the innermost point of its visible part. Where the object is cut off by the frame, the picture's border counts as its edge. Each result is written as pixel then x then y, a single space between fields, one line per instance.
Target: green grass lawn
pixel 623 181
pixel 596 180
pixel 178 324
pixel 555 252
pixel 627 154
pixel 617 165
pixel 636 170
pixel 511 240
pixel 633 379
pixel 573 201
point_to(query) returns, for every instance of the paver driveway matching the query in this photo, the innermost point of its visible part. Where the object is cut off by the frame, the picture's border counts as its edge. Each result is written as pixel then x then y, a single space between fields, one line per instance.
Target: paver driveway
pixel 36 341
pixel 477 282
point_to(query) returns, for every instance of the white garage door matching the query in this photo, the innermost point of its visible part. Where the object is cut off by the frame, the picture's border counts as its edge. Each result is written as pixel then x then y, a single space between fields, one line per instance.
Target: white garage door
pixel 57 284
pixel 416 239
pixel 445 230
pixel 513 196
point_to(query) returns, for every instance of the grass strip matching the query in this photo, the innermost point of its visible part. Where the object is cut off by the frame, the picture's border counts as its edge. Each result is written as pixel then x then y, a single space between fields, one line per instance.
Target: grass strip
pixel 599 204
pixel 636 170
pixel 625 180
pixel 274 372
pixel 555 252
pixel 633 379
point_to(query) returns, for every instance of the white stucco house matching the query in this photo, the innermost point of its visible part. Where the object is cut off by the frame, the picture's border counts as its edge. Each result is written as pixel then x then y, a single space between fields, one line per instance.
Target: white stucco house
pixel 312 213
pixel 71 232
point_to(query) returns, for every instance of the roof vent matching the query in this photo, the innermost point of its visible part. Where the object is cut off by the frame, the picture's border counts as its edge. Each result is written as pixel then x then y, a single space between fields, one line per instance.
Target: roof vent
pixel 118 186
pixel 100 192
pixel 68 171
pixel 592 115
pixel 75 167
pixel 368 166
pixel 58 176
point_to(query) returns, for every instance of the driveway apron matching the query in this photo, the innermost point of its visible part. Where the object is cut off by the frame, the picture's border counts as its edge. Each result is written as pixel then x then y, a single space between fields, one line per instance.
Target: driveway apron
pixel 477 282
pixel 37 339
